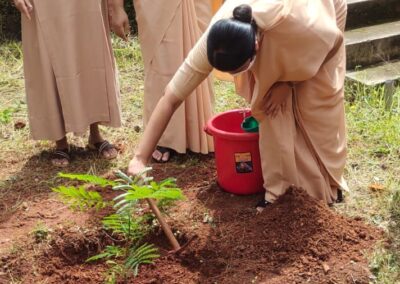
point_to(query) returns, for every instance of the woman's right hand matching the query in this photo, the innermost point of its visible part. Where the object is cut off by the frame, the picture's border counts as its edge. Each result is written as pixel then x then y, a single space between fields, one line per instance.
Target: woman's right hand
pixel 136 166
pixel 119 22
pixel 25 7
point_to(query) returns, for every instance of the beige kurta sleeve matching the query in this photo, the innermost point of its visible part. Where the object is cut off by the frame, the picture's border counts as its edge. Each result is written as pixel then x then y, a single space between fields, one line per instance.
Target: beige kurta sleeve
pixel 196 66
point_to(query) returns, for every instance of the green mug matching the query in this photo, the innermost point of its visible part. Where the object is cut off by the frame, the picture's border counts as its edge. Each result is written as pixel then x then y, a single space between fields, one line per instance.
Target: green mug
pixel 250 124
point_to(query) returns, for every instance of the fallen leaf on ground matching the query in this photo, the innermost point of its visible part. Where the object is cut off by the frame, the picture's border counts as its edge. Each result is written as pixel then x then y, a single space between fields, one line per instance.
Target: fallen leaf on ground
pixel 376 187
pixel 19 124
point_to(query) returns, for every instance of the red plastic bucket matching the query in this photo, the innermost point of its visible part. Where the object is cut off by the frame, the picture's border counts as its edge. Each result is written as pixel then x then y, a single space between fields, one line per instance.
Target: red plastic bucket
pixel 236 153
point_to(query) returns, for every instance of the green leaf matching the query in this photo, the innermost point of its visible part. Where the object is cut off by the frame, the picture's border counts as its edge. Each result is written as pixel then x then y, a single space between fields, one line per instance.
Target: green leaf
pixel 122 187
pixel 139 192
pixel 128 207
pixel 172 193
pixel 89 179
pixel 131 228
pixel 80 198
pixel 144 254
pixel 120 196
pixel 109 251
pixel 97 257
pixel 122 175
pixel 6 115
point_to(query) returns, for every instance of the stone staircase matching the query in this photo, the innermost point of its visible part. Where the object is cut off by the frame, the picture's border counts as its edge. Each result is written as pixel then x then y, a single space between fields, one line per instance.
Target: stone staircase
pixel 373 41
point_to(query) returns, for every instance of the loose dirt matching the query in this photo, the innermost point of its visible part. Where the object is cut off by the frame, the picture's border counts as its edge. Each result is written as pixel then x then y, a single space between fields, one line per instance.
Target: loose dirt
pixel 295 240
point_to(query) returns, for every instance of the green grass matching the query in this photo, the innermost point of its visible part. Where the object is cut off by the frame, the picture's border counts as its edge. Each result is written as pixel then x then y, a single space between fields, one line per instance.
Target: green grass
pixel 374 159
pixel 373 139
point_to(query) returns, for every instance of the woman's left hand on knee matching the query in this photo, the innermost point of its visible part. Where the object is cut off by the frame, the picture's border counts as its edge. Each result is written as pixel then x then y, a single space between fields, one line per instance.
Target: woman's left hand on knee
pixel 276 98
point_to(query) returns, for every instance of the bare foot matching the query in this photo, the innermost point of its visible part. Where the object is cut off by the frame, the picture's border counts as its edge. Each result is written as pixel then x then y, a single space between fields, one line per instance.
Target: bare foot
pixel 104 148
pixel 162 154
pixel 60 158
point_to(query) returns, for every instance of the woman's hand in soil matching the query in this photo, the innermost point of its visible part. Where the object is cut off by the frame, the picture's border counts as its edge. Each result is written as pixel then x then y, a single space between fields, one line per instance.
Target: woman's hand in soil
pixel 136 166
pixel 276 99
pixel 119 21
pixel 25 7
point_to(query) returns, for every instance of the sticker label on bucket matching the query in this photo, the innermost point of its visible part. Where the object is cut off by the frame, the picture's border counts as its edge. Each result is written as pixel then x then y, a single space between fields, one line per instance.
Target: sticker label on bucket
pixel 243 162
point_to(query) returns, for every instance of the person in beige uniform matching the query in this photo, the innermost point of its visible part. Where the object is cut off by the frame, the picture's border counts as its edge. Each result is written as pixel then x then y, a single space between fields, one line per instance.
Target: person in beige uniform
pixel 70 74
pixel 168 29
pixel 289 60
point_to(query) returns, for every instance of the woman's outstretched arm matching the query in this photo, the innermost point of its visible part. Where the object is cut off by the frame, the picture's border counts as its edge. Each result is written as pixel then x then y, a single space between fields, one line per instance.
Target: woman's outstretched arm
pixel 192 72
pixel 159 120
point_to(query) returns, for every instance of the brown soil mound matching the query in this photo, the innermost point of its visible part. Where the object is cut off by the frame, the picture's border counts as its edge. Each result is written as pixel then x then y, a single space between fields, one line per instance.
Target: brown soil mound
pixel 295 240
pixel 62 259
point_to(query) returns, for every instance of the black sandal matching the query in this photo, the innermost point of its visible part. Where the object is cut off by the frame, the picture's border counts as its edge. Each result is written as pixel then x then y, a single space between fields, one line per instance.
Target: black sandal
pixel 164 150
pixel 100 147
pixel 60 154
pixel 340 197
pixel 262 204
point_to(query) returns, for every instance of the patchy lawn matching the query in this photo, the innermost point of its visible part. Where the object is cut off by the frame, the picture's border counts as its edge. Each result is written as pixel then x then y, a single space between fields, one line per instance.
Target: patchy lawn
pixel 43 241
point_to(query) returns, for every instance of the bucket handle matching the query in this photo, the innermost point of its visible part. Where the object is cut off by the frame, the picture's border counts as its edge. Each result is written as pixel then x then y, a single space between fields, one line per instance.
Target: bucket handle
pixel 206 130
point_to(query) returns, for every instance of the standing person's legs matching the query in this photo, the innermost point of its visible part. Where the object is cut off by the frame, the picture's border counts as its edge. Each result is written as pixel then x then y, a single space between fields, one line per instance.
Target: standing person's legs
pixel 277 152
pixel 96 141
pixel 180 32
pixel 167 57
pixel 287 158
pixel 44 110
pixel 199 105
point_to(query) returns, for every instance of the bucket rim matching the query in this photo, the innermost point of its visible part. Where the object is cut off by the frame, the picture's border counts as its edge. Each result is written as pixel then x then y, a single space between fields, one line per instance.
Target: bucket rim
pixel 210 129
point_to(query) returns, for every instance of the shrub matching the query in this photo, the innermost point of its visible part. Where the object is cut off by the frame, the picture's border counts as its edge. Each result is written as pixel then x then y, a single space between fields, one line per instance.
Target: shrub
pixel 10 20
pixel 128 221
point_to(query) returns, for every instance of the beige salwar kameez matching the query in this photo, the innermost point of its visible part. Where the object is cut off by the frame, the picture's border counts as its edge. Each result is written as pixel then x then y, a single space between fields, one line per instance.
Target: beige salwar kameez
pixel 168 29
pixel 300 41
pixel 69 69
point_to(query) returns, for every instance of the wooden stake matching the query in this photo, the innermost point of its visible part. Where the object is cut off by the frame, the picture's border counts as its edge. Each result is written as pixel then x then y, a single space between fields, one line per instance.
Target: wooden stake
pixel 164 225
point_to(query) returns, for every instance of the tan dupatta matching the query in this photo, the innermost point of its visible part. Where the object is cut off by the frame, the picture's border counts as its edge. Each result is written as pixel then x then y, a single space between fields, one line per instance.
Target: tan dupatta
pixel 155 23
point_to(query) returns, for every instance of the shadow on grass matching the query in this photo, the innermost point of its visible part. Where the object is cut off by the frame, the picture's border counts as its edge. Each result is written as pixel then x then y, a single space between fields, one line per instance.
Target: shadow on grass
pixel 38 176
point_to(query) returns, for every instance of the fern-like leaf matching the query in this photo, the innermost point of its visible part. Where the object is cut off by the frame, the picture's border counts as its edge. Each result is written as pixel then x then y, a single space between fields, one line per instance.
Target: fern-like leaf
pixel 109 252
pixel 170 193
pixel 139 192
pixel 145 254
pixel 124 177
pixel 89 179
pixel 122 187
pixel 126 207
pixel 80 198
pixel 130 228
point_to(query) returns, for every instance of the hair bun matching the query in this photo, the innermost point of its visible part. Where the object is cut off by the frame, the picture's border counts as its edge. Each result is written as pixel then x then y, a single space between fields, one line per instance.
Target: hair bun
pixel 243 13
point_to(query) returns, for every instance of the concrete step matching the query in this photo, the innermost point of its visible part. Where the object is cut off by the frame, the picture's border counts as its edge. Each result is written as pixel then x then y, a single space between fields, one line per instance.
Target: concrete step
pixel 361 13
pixel 372 45
pixel 379 74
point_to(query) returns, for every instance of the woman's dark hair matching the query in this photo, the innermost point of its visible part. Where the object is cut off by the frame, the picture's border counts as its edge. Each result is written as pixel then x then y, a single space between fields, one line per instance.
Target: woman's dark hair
pixel 231 42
